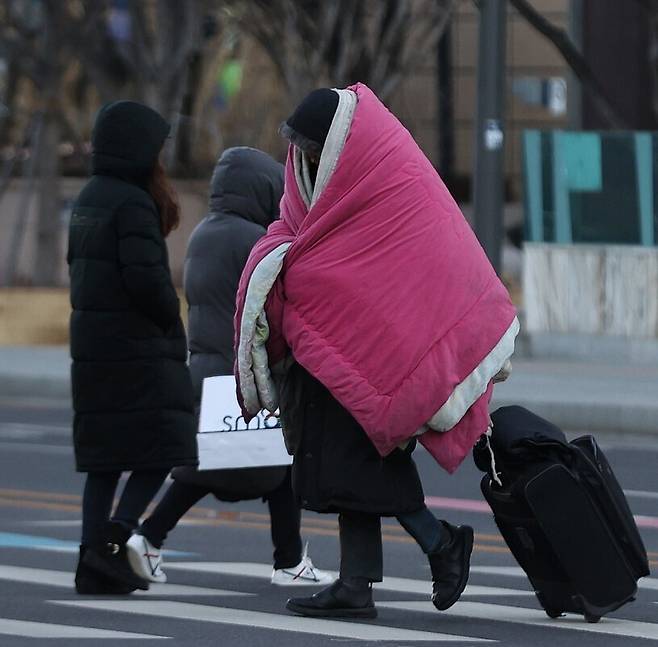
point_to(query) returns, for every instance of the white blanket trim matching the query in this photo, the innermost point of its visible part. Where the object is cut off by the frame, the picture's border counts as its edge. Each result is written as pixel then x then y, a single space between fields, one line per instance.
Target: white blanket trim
pixel 467 392
pixel 256 383
pixel 333 146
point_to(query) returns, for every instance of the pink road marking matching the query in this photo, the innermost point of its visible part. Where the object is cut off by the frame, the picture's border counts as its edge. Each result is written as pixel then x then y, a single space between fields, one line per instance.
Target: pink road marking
pixel 473 505
pixel 470 505
pixel 646 522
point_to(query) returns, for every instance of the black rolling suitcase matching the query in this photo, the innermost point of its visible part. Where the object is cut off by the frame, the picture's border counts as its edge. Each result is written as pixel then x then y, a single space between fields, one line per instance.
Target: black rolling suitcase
pixel 563 515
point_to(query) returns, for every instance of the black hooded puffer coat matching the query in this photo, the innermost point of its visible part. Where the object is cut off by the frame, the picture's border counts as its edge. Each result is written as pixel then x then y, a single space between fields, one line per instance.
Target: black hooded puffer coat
pixel 132 393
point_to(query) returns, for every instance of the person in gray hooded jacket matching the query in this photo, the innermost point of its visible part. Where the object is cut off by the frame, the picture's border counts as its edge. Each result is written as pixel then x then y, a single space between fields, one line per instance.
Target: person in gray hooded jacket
pixel 246 188
pixel 245 191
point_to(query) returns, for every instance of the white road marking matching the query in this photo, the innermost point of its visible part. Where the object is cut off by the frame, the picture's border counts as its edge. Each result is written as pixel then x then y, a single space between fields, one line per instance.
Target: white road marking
pixel 647 583
pixel 641 494
pixel 25 431
pixel 37 448
pixel 62 579
pixel 244 618
pixel 76 523
pixel 57 523
pixel 533 617
pixel 397 584
pixel 26 629
pixel 510 571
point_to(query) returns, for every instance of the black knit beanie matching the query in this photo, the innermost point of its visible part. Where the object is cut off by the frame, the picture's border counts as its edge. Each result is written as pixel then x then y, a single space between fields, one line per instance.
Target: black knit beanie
pixel 309 124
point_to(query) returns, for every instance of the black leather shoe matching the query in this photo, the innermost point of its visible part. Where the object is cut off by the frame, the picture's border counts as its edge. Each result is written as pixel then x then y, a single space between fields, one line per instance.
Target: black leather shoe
pixel 90 582
pixel 450 567
pixel 110 559
pixel 336 601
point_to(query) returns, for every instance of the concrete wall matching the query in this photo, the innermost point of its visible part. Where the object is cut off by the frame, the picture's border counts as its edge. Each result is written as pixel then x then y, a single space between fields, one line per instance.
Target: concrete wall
pixel 605 290
pixel 40 316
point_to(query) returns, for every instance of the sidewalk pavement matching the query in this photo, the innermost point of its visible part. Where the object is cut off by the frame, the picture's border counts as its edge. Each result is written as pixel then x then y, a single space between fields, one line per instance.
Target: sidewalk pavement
pixel 577 395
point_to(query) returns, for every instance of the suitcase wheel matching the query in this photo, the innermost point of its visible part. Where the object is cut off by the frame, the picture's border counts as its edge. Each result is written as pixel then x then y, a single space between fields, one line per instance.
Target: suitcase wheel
pixel 553 613
pixel 592 619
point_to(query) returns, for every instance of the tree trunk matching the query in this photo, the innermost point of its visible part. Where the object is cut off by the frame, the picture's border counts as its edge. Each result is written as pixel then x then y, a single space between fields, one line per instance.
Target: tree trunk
pixel 48 257
pixel 18 233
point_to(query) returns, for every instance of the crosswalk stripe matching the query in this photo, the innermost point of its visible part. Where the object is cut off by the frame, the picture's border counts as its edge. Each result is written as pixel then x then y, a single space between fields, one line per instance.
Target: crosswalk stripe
pixel 641 494
pixel 62 579
pixel 476 505
pixel 35 447
pixel 510 571
pixel 36 542
pixel 244 618
pixel 54 523
pixel 25 431
pixel 647 583
pixel 397 584
pixel 28 629
pixel 534 617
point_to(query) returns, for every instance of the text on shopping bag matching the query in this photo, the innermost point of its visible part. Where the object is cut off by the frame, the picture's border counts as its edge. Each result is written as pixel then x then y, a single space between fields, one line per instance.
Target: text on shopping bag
pixel 225 438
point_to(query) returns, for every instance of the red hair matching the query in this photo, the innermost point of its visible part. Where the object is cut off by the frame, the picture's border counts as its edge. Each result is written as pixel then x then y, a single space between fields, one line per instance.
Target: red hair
pixel 165 198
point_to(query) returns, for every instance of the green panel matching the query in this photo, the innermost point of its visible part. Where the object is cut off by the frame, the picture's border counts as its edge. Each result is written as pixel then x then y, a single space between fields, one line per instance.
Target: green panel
pixel 591 187
pixel 581 155
pixel 644 167
pixel 533 186
pixel 561 202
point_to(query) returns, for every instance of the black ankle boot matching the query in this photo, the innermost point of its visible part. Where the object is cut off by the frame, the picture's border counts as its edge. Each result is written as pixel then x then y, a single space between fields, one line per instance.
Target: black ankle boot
pixel 450 566
pixel 110 559
pixel 336 601
pixel 90 582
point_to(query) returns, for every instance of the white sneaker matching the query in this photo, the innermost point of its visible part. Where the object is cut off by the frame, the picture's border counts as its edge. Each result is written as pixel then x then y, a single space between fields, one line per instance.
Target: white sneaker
pixel 304 574
pixel 145 559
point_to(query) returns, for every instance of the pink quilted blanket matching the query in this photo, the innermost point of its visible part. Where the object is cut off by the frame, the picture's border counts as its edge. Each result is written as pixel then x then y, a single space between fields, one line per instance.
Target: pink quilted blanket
pixel 376 284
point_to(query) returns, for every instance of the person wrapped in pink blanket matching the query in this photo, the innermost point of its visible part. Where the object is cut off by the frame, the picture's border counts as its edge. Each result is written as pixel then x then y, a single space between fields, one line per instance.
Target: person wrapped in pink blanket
pixel 371 316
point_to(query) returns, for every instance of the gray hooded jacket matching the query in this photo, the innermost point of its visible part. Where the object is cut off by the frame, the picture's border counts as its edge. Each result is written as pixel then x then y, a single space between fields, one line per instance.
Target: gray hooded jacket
pixel 245 191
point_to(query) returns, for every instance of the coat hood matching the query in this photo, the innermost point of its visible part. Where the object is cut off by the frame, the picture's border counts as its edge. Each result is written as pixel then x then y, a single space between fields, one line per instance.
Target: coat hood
pixel 247 183
pixel 127 139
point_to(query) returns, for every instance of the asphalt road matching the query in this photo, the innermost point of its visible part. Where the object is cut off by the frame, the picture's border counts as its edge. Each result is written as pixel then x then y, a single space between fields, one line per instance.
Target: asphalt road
pixel 219 591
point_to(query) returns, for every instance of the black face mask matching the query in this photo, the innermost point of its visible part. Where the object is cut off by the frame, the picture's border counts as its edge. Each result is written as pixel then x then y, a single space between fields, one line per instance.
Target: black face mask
pixel 313 169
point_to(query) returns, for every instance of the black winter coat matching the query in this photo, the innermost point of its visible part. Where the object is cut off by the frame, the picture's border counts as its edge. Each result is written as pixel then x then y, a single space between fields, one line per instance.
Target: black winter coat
pixel 245 189
pixel 336 468
pixel 132 393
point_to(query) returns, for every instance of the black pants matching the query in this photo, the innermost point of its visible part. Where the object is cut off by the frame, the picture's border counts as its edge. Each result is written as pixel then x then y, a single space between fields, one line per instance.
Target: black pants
pixel 285 518
pixel 361 540
pixel 100 488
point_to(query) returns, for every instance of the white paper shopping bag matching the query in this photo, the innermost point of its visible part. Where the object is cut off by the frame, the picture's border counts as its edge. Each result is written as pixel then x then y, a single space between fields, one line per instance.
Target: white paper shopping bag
pixel 226 441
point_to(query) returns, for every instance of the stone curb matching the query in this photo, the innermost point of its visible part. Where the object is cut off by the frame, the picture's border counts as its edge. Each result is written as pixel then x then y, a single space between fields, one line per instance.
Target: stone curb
pixel 602 416
pixel 605 417
pixel 33 386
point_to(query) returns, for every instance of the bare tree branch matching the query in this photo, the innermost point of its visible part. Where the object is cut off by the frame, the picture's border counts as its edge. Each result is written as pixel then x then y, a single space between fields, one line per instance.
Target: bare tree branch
pixel 338 42
pixel 559 38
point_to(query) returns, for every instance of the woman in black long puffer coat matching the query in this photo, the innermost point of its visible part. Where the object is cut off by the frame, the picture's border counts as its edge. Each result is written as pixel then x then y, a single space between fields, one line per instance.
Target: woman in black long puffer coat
pixel 132 393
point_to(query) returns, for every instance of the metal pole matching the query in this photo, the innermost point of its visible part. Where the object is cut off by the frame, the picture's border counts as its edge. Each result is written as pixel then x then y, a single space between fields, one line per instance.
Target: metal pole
pixel 488 194
pixel 574 90
pixel 446 108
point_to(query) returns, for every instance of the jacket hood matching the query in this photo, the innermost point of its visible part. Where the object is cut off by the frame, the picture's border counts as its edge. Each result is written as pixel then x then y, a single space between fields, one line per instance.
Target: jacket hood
pixel 247 183
pixel 127 139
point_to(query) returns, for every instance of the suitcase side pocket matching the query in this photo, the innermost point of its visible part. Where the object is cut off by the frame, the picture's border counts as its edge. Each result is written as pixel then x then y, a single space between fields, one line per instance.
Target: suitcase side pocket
pixel 581 538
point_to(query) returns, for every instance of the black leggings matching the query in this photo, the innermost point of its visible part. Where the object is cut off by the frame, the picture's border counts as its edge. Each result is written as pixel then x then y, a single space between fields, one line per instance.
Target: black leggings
pixel 285 518
pixel 98 497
